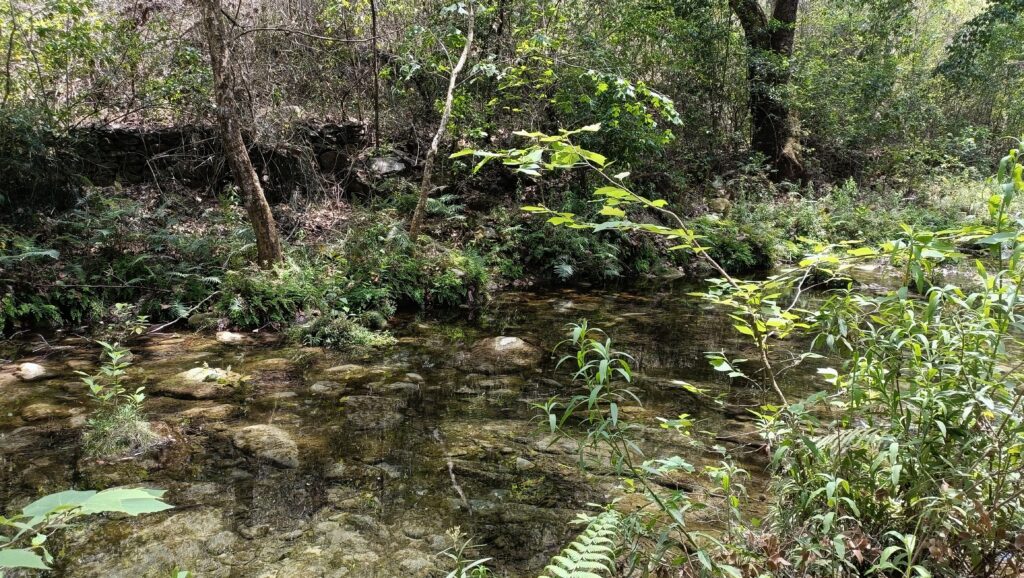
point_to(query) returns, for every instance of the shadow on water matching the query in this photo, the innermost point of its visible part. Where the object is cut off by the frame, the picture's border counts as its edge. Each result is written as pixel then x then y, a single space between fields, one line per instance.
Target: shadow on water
pixel 392 448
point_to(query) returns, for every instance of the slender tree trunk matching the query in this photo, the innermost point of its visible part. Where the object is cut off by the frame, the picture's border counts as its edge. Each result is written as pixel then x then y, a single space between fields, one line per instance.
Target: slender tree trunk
pixel 268 244
pixel 428 163
pixel 769 42
pixel 376 77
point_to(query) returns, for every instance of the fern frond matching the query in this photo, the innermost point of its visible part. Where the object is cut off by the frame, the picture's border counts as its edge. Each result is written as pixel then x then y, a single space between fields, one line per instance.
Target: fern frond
pixel 847 438
pixel 592 553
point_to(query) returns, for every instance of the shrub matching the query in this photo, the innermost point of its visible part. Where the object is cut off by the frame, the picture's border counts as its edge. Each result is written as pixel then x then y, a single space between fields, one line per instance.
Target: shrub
pixel 338 330
pixel 254 297
pixel 116 427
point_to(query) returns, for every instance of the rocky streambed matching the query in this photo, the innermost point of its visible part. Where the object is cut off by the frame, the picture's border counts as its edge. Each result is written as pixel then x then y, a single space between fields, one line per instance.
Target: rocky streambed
pixel 288 461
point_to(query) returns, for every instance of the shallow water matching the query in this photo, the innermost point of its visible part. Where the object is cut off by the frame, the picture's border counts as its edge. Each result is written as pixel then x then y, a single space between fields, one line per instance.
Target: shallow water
pixel 388 461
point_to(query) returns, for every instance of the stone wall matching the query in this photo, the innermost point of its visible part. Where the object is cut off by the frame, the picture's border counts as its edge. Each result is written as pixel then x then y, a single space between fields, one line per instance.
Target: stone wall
pixel 191 155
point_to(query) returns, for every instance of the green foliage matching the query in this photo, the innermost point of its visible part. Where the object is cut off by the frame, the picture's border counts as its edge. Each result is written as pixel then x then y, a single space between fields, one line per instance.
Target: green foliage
pixel 338 330
pixel 604 374
pixel 23 536
pixel 74 267
pixel 905 467
pixel 385 266
pixel 122 322
pixel 457 552
pixel 739 247
pixel 592 553
pixel 253 297
pixel 518 249
pixel 116 428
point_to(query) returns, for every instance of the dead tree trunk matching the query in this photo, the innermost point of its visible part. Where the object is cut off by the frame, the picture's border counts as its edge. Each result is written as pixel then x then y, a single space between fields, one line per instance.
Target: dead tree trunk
pixel 268 244
pixel 769 42
pixel 428 164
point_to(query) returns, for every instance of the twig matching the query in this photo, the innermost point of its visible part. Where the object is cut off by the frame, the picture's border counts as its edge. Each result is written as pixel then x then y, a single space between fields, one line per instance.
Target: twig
pixel 451 469
pixel 186 314
pixel 301 33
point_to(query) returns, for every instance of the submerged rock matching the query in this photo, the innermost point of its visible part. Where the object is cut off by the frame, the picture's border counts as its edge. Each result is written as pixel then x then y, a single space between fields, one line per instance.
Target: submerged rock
pixel 401 388
pixel 351 373
pixel 326 387
pixel 137 546
pixel 372 412
pixel 33 372
pixel 199 383
pixel 41 411
pixel 269 443
pixel 211 412
pixel 500 354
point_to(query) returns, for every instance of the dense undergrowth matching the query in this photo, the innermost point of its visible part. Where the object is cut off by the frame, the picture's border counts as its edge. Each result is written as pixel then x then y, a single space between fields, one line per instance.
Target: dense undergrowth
pixel 170 254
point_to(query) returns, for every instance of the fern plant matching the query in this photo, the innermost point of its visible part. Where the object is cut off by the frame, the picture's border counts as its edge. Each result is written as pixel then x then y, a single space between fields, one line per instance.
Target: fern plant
pixel 592 553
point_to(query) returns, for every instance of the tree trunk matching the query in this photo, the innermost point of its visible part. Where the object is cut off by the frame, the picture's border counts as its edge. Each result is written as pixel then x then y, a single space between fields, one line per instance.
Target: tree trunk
pixel 376 78
pixel 769 47
pixel 268 244
pixel 428 164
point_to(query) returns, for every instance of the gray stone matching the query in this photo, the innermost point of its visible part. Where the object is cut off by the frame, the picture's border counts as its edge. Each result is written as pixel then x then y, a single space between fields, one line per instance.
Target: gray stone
pixel 268 442
pixel 336 471
pixel 282 395
pixel 413 563
pixel 141 545
pixel 221 542
pixel 386 165
pixel 523 464
pixel 351 373
pixel 325 387
pixel 402 388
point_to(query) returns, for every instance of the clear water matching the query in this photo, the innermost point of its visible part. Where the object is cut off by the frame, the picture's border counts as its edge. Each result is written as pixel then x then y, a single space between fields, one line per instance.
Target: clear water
pixel 384 470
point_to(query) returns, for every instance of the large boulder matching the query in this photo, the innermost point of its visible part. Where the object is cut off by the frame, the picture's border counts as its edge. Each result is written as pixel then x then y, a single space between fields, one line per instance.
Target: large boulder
pixel 269 443
pixel 199 383
pixel 499 355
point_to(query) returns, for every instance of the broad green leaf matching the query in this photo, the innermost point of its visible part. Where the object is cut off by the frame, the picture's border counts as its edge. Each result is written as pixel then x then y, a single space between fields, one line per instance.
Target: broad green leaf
pixel 997 238
pixel 57 502
pixel 613 192
pixel 131 501
pixel 862 252
pixel 22 559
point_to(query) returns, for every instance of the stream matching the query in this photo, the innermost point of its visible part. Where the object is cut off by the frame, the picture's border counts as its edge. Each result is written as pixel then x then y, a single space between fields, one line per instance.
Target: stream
pixel 370 458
